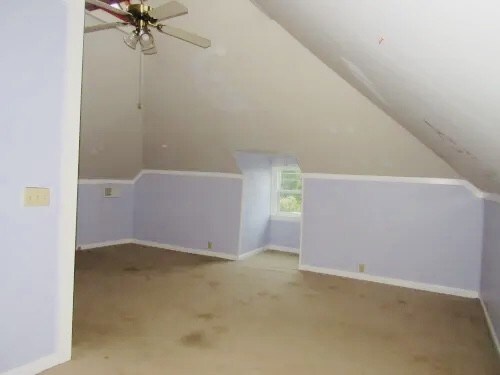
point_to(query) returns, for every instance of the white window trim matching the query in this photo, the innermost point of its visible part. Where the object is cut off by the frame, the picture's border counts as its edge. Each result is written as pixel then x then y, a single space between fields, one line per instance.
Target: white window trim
pixel 275 214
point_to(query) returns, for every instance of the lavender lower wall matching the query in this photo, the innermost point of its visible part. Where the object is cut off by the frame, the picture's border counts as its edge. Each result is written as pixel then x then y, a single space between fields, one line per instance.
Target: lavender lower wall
pixel 285 233
pixel 103 219
pixel 490 275
pixel 32 93
pixel 256 202
pixel 424 233
pixel 416 232
pixel 189 211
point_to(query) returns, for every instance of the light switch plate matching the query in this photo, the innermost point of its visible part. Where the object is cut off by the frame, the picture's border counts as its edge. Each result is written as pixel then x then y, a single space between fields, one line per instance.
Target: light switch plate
pixel 36 197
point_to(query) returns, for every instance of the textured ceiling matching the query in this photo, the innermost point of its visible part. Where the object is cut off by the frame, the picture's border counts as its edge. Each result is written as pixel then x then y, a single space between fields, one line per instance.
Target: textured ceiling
pixel 431 65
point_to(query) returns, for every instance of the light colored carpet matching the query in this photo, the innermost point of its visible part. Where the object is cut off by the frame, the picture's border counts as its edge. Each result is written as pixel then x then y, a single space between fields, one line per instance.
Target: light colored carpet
pixel 146 311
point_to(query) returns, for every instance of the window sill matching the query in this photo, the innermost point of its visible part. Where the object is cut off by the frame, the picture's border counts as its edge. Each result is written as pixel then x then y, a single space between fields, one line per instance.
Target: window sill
pixel 295 218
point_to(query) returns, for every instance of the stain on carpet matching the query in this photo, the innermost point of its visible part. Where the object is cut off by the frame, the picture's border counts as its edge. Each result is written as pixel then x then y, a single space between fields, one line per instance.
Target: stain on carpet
pixel 206 316
pixel 244 302
pixel 213 284
pixel 195 339
pixel 131 269
pixel 420 358
pixel 128 318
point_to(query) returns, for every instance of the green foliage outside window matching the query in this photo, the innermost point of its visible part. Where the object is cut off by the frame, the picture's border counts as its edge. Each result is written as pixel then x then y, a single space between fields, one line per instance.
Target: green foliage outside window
pixel 290 191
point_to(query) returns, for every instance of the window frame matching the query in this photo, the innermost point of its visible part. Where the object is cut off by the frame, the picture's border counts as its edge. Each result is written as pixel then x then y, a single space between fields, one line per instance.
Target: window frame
pixel 276 192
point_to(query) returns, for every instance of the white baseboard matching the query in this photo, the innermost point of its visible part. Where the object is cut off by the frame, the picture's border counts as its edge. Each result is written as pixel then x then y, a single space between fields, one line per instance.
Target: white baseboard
pixel 390 281
pixel 186 250
pixel 284 249
pixel 37 366
pixel 251 253
pixel 491 327
pixel 97 245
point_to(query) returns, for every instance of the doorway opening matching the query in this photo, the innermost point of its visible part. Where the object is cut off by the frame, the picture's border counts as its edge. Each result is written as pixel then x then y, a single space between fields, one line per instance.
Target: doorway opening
pixel 271 209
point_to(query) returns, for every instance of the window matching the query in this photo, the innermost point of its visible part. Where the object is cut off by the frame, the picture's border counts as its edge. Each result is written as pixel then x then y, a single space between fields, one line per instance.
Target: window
pixel 287 191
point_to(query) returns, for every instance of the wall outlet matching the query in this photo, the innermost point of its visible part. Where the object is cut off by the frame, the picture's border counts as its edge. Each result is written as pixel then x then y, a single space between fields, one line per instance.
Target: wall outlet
pixel 210 245
pixel 111 192
pixel 36 197
pixel 361 267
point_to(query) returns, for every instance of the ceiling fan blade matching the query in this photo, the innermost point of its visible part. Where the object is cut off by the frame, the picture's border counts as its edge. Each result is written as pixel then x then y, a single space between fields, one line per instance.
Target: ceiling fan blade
pixel 168 10
pixel 104 26
pixel 185 35
pixel 108 7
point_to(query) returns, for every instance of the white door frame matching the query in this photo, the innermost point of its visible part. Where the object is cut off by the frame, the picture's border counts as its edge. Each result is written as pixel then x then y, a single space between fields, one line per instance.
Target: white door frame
pixel 70 136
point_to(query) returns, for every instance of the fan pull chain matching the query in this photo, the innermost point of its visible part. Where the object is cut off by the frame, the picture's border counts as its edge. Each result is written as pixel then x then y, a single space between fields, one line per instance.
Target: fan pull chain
pixel 141 80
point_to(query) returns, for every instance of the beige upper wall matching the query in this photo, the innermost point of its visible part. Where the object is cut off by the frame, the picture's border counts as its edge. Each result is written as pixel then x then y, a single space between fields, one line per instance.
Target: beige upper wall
pixel 258 89
pixel 111 124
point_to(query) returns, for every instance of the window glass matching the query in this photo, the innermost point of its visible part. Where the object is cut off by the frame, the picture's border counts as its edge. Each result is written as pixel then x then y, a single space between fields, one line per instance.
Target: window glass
pixel 290 202
pixel 289 191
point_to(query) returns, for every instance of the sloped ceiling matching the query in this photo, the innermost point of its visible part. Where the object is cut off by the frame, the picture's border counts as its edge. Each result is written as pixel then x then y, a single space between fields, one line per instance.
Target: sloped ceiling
pixel 258 89
pixel 431 65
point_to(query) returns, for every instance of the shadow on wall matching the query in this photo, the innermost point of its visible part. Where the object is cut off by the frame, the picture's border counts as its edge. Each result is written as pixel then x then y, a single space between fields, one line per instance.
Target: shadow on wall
pixel 257 230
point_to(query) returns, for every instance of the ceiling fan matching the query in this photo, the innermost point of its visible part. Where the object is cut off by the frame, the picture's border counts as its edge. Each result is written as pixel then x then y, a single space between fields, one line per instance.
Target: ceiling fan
pixel 144 18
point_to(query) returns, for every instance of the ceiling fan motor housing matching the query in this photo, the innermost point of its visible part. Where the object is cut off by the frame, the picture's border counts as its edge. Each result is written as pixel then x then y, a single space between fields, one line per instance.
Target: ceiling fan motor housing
pixel 140 12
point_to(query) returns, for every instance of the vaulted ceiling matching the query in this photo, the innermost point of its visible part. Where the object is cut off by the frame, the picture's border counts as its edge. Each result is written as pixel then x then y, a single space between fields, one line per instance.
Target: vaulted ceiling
pixel 352 87
pixel 258 89
pixel 431 65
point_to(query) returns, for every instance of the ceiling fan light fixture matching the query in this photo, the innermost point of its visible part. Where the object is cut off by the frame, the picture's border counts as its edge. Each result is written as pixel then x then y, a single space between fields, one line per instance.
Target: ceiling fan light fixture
pixel 132 39
pixel 147 41
pixel 151 51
